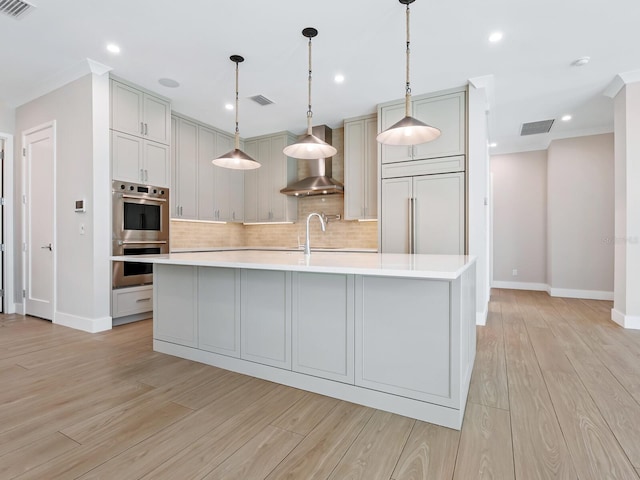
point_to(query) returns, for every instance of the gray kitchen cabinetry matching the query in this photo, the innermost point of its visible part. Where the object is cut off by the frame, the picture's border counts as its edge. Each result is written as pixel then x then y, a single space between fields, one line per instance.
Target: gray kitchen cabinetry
pixel 185 192
pixel 135 159
pixel 323 325
pixel 446 111
pixel 139 113
pixel 219 310
pixel 263 201
pixel 423 214
pixel 361 168
pixel 175 304
pixel 265 317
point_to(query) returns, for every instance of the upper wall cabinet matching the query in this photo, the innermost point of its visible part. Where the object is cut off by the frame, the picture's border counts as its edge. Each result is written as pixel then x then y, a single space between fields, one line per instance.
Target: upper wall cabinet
pixel 361 168
pixel 446 112
pixel 263 201
pixel 139 113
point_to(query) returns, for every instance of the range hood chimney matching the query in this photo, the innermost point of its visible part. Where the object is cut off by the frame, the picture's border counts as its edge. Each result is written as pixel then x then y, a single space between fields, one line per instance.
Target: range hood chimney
pixel 319 182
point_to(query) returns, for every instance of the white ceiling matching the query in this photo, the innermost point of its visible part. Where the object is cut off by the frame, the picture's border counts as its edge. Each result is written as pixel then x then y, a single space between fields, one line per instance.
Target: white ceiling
pixel 190 41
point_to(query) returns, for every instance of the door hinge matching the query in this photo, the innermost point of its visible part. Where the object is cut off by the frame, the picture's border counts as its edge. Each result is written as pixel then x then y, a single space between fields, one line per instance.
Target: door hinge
pixel 2 248
pixel 1 292
pixel 1 154
pixel 24 293
pixel 24 152
pixel 2 201
pixel 24 199
pixel 24 246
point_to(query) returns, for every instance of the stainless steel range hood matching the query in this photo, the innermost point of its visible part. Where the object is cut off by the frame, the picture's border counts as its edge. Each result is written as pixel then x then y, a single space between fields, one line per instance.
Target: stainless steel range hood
pixel 319 182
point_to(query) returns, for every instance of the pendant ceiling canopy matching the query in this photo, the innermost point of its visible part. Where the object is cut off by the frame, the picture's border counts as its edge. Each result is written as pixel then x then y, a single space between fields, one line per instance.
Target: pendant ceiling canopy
pixel 236 159
pixel 309 147
pixel 409 130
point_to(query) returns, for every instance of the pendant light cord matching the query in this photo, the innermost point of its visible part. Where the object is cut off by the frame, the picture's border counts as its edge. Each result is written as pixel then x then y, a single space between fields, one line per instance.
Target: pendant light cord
pixel 237 138
pixel 407 99
pixel 309 112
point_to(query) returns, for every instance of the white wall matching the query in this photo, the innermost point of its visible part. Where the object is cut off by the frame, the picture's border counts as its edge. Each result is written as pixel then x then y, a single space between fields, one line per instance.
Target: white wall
pixel 81 112
pixel 520 217
pixel 7 118
pixel 580 210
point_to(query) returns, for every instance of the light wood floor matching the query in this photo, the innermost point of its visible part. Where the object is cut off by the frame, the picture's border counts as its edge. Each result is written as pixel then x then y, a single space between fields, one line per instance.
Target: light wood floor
pixel 555 394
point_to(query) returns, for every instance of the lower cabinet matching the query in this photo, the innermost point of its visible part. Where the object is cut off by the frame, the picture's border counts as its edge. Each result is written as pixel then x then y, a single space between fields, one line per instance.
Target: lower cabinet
pixel 219 310
pixel 404 338
pixel 131 301
pixel 266 317
pixel 175 304
pixel 323 325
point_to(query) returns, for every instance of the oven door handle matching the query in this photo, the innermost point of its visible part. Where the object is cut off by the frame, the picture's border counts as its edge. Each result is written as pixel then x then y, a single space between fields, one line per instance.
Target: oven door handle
pixel 142 242
pixel 141 197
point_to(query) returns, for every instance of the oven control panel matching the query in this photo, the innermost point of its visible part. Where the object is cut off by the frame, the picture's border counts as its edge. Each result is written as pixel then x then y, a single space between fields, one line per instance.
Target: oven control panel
pixel 144 191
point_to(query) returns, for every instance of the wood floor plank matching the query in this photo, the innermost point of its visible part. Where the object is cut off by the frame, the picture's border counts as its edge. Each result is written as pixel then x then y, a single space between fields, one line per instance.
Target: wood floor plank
pixel 594 449
pixel 489 379
pixel 302 417
pixel 321 450
pixel 375 452
pixel 207 392
pixel 485 450
pixel 539 449
pixel 259 456
pixel 429 454
pixel 34 454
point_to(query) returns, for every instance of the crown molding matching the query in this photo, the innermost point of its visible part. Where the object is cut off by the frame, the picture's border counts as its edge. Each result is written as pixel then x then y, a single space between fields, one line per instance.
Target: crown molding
pixel 619 82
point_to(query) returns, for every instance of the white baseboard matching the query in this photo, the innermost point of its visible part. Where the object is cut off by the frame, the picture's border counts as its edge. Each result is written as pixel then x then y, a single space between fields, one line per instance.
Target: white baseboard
pixel 481 317
pixel 625 321
pixel 587 294
pixel 19 308
pixel 91 325
pixel 538 287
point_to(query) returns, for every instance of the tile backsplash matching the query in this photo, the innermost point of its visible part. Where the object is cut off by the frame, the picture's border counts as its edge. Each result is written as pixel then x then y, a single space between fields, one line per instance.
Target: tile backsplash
pixel 339 234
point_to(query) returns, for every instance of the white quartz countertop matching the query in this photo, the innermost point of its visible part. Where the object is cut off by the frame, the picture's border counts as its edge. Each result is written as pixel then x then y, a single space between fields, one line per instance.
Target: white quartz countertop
pixel 445 267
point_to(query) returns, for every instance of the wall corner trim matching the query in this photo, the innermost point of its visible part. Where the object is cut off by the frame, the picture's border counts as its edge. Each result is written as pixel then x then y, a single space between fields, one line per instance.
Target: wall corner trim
pixel 481 317
pixel 620 81
pixel 625 321
pixel 91 325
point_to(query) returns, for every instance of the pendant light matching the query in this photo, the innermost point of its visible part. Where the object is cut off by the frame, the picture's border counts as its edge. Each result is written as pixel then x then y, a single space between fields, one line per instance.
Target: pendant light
pixel 309 147
pixel 409 130
pixel 236 159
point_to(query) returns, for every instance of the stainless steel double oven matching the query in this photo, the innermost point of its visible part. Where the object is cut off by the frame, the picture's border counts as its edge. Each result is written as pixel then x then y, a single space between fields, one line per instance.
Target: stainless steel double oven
pixel 140 226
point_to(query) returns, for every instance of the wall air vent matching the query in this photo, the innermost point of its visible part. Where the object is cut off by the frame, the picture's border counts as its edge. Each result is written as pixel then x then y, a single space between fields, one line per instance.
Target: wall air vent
pixel 534 128
pixel 15 8
pixel 262 100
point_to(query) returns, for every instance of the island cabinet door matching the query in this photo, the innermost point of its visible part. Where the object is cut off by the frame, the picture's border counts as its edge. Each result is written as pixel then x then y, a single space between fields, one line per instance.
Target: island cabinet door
pixel 404 338
pixel 175 288
pixel 265 318
pixel 322 325
pixel 219 310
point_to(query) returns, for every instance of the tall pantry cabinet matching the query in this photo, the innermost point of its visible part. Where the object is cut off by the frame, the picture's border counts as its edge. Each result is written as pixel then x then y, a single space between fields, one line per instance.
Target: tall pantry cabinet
pixel 422 187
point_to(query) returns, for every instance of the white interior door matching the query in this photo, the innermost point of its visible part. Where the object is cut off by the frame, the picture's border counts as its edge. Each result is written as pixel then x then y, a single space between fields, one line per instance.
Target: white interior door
pixel 39 145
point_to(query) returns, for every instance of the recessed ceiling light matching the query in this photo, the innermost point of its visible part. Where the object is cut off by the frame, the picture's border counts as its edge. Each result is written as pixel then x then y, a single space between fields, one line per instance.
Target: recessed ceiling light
pixel 495 37
pixel 339 78
pixel 113 48
pixel 581 62
pixel 168 82
pixel 228 106
pixel 566 118
pixel 493 145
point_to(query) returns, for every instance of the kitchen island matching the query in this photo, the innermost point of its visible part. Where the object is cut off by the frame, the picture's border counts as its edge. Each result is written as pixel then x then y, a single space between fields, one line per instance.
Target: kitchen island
pixel 390 331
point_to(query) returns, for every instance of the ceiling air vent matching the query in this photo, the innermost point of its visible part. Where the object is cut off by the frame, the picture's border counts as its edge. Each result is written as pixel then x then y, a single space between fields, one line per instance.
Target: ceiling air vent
pixel 262 100
pixel 533 128
pixel 15 8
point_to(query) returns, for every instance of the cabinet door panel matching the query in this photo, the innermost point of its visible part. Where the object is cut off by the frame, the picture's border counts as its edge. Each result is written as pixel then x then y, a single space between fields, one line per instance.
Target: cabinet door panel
pixel 354 169
pixel 157 115
pixel 174 304
pixel 371 169
pixel 322 325
pixel 236 196
pixel 219 310
pixel 394 153
pixel 403 338
pixel 266 317
pixel 156 164
pixel 439 205
pixel 277 178
pixel 126 156
pixel 224 144
pixel 446 112
pixel 251 185
pixel 187 169
pixel 396 193
pixel 206 173
pixel 264 180
pixel 126 109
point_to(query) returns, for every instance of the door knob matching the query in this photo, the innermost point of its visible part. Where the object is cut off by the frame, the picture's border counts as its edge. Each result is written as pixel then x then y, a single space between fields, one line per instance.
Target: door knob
pixel 48 247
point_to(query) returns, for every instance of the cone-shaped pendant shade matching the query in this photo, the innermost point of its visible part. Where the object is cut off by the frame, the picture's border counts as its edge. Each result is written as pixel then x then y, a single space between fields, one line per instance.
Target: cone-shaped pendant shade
pixel 236 159
pixel 310 147
pixel 408 131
